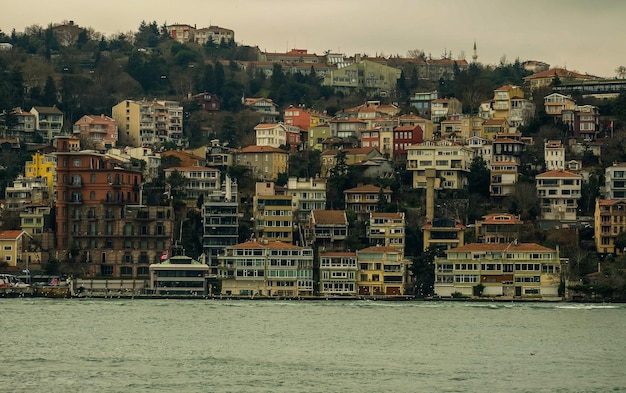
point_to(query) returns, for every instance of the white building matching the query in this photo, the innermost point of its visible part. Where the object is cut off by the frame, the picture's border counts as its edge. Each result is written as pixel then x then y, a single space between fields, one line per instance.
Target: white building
pixel 559 192
pixel 554 153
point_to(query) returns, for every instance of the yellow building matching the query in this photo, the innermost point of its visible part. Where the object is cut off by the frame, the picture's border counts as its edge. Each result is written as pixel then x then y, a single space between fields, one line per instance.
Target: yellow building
pixel 44 166
pixel 387 229
pixel 13 246
pixel 382 271
pixel 272 214
pixel 609 221
pixel 450 160
pixel 265 162
pixel 472 126
pixel 443 233
pixel 521 270
pixel 317 135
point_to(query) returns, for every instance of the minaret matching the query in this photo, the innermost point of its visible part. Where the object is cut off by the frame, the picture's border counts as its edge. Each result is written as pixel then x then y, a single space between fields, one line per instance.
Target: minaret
pixel 475 55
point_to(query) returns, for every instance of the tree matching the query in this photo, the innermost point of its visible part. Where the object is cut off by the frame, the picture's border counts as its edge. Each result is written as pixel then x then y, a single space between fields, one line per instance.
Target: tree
pixel 423 269
pixel 621 72
pixel 478 178
pixel 49 92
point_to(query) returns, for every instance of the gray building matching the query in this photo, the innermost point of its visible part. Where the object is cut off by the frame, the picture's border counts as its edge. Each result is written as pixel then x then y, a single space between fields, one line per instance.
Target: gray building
pixel 220 214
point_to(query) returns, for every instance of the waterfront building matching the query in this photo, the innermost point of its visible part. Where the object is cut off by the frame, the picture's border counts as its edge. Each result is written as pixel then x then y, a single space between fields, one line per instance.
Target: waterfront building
pixel 523 270
pixel 338 273
pixel 179 275
pixel 100 219
pixel 13 247
pixel 382 271
pixel 266 269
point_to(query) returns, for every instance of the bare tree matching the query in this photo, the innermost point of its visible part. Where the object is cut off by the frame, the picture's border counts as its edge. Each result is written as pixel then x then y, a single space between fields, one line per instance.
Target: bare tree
pixel 621 72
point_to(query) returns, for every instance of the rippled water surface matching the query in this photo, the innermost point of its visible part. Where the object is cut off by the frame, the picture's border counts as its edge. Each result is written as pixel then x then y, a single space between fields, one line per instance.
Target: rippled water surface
pixel 54 345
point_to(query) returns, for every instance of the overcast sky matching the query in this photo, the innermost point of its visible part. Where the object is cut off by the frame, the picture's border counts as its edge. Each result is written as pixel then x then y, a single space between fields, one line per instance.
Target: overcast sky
pixel 585 36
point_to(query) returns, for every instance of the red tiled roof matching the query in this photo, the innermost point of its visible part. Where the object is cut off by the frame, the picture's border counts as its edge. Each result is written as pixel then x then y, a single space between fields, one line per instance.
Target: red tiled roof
pixel 325 217
pixel 500 247
pixel 397 216
pixel 558 72
pixel 558 173
pixel 506 218
pixel 256 244
pixel 11 234
pixel 610 202
pixel 377 249
pixel 337 254
pixel 261 149
pixel 368 188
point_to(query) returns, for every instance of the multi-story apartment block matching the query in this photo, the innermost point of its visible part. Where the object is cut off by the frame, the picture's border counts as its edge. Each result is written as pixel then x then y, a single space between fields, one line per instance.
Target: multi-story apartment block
pixel 25 124
pixel 450 160
pixel 42 166
pixel 373 78
pixel 365 199
pixel 200 180
pixel 503 178
pixel 304 118
pixel 422 102
pixel 481 148
pixel 328 229
pixel 219 155
pixel 266 269
pixel 100 131
pixel 387 229
pixel 35 219
pixel 146 123
pixel 451 129
pixel 271 134
pixel 220 218
pixel 382 271
pixel 265 162
pixel 471 127
pixel 307 195
pixel 555 103
pixel 499 228
pixel 443 233
pixel 521 270
pixel 403 137
pixel 265 107
pixel 347 128
pixel 583 121
pixel 215 34
pixel 494 127
pixel 272 214
pixel 100 220
pixel 26 191
pixel 427 126
pixel 370 138
pixel 317 136
pixel 554 153
pixel 181 32
pixel 609 221
pixel 559 192
pixel 338 273
pixel 49 121
pixel 615 181
pixel 442 108
pixel 507 147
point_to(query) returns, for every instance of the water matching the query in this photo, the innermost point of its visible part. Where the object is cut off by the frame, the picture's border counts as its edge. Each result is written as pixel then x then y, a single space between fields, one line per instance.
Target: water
pixel 86 345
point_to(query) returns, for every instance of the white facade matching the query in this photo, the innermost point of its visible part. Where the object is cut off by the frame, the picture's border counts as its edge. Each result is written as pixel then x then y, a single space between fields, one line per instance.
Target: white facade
pixel 274 135
pixel 554 153
pixel 559 192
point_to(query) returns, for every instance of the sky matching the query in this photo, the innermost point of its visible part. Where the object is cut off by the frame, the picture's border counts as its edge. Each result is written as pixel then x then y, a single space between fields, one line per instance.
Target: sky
pixel 579 35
